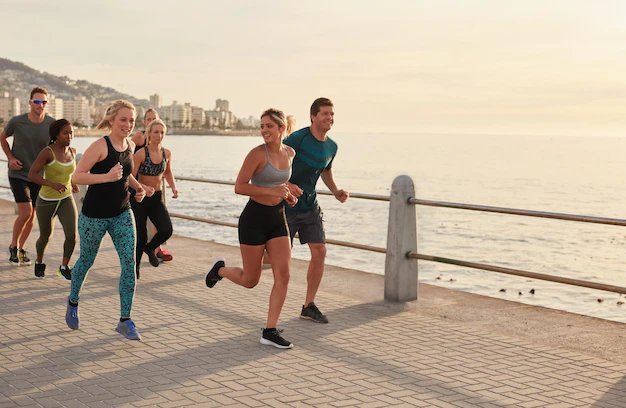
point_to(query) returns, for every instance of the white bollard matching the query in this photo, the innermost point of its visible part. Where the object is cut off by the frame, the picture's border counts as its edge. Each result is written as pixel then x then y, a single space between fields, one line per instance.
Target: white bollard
pixel 401 271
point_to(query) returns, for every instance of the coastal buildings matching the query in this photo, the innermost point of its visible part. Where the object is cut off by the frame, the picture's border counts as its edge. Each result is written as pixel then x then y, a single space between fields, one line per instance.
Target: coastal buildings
pixel 185 116
pixel 86 111
pixel 9 107
pixel 222 105
pixel 176 115
pixel 221 116
pixel 156 101
pixel 55 107
pixel 251 122
pixel 198 117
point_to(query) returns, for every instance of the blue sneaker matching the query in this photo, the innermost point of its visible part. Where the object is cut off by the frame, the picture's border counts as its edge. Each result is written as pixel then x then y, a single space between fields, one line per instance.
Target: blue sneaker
pixel 128 329
pixel 71 316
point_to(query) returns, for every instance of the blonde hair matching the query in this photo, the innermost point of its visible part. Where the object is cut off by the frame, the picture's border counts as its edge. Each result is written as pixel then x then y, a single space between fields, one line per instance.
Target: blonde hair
pixel 111 112
pixel 277 116
pixel 151 125
pixel 151 110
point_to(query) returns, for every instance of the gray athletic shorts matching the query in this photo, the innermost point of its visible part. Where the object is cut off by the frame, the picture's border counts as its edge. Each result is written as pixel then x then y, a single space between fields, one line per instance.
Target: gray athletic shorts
pixel 309 226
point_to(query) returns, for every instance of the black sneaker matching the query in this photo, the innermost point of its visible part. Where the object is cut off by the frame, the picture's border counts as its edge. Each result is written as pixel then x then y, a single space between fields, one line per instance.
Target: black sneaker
pixel 154 260
pixel 311 312
pixel 40 270
pixel 272 337
pixel 23 256
pixel 65 272
pixel 212 276
pixel 13 259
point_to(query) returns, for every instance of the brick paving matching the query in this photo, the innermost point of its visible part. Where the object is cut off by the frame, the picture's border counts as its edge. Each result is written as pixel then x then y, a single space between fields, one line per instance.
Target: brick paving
pixel 201 346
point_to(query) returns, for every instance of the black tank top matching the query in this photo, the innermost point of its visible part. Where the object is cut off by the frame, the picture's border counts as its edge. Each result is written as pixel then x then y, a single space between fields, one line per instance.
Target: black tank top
pixel 107 200
pixel 137 147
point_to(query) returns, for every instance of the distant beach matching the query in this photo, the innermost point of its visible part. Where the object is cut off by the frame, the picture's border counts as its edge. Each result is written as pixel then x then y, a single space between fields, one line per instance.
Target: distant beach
pixel 79 132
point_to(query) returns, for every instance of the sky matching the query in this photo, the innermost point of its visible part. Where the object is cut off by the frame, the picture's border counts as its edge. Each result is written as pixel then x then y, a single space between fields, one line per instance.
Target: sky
pixel 523 67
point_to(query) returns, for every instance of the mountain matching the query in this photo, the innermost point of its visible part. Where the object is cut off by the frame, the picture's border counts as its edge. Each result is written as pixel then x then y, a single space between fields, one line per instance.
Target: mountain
pixel 18 79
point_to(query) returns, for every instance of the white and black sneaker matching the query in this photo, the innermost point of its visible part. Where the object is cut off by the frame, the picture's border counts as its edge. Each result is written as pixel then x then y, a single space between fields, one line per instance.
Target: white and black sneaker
pixel 65 272
pixel 272 337
pixel 212 276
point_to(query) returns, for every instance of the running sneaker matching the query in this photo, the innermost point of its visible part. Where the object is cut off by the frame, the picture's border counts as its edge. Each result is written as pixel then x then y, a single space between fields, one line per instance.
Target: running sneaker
pixel 311 312
pixel 65 272
pixel 13 258
pixel 71 316
pixel 154 261
pixel 23 256
pixel 127 329
pixel 40 270
pixel 272 337
pixel 212 276
pixel 164 255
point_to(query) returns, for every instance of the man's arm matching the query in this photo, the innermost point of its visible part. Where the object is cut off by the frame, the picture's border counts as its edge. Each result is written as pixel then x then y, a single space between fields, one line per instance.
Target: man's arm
pixel 329 179
pixel 14 163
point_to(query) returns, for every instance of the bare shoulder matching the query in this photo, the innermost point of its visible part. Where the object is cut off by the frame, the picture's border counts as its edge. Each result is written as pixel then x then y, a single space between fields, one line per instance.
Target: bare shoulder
pixel 137 137
pixel 257 151
pixel 96 152
pixel 256 155
pixel 46 154
pixel 140 154
pixel 291 151
pixel 99 144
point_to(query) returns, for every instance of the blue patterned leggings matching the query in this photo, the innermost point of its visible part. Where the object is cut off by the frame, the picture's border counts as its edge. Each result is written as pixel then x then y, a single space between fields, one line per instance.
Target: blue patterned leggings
pixel 122 232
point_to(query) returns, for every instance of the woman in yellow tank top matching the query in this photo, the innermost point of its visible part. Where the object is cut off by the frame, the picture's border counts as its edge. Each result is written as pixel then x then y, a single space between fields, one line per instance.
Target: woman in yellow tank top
pixel 58 162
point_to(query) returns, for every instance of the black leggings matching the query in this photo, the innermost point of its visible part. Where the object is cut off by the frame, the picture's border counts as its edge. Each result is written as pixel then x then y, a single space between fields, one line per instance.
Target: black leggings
pixel 153 208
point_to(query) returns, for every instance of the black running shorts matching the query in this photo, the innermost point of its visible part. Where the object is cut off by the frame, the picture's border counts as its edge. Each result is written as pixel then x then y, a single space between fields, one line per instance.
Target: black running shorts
pixel 259 223
pixel 24 191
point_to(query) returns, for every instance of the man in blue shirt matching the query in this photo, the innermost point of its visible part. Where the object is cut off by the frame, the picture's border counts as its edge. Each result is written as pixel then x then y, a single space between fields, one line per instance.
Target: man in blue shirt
pixel 315 153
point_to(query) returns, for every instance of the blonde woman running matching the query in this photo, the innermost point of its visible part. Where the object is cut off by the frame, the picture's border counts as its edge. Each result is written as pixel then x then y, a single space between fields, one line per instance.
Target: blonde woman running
pixel 152 163
pixel 106 167
pixel 140 140
pixel 262 225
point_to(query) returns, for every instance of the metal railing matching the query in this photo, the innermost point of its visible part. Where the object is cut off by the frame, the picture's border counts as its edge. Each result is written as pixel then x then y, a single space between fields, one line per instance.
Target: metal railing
pixel 400 287
pixel 400 277
pixel 323 192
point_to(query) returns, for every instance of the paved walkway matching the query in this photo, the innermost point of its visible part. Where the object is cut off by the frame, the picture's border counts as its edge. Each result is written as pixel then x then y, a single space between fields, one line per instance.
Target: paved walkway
pixel 201 346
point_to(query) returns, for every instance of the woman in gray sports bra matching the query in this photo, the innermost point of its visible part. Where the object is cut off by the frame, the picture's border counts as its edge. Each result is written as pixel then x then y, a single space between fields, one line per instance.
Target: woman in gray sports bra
pixel 262 224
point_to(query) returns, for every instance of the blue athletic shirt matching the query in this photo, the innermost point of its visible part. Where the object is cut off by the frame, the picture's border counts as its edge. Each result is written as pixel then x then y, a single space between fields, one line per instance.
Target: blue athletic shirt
pixel 312 157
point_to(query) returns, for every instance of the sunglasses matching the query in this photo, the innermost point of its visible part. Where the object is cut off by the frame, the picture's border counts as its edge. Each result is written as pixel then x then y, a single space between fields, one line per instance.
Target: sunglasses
pixel 38 102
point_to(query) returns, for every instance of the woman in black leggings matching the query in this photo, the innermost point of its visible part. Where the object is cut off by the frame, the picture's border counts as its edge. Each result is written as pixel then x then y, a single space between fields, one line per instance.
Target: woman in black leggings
pixel 151 164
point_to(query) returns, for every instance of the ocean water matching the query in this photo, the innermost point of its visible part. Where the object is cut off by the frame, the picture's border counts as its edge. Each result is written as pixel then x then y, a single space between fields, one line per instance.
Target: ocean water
pixel 575 175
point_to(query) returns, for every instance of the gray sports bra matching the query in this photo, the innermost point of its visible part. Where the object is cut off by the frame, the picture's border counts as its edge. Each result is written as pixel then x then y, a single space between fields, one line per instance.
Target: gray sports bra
pixel 270 176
